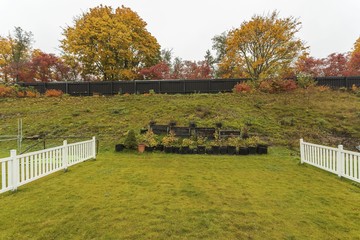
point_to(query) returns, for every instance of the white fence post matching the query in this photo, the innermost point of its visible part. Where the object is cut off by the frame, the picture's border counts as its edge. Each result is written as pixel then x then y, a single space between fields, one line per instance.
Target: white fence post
pixel 65 155
pixel 340 160
pixel 302 150
pixel 15 170
pixel 94 147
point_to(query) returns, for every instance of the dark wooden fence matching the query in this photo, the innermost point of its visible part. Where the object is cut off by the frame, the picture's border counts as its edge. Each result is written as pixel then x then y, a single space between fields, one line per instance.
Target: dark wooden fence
pixel 166 86
pixel 338 82
pixel 138 86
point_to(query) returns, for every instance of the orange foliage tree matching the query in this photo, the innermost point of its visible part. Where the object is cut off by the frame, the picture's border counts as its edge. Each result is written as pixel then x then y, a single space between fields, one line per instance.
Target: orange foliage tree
pixel 263 47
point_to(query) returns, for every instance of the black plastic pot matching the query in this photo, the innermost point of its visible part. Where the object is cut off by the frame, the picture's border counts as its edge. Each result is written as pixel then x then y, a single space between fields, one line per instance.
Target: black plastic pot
pixel 262 149
pixel 218 124
pixel 223 150
pixel 252 150
pixel 243 151
pixel 215 150
pixel 143 131
pixel 149 149
pixel 119 147
pixel 209 151
pixel 168 149
pixel 231 150
pixel 176 149
pixel 201 149
pixel 185 150
pixel 159 148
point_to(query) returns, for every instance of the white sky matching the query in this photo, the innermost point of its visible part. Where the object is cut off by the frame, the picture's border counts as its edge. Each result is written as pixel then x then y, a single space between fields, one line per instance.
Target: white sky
pixel 187 26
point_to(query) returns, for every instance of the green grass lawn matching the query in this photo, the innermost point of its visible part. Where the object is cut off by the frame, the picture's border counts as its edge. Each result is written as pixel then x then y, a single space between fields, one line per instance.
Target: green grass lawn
pixel 160 196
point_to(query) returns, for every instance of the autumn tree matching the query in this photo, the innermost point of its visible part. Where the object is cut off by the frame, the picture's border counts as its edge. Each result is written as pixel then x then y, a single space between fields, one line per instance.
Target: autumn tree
pixel 45 67
pixel 5 58
pixel 336 64
pixel 354 61
pixel 112 44
pixel 262 47
pixel 21 44
pixel 309 65
pixel 15 51
pixel 157 72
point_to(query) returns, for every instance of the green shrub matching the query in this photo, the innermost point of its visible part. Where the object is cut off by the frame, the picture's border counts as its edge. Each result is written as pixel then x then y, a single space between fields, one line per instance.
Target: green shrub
pixel 131 141
pixel 305 81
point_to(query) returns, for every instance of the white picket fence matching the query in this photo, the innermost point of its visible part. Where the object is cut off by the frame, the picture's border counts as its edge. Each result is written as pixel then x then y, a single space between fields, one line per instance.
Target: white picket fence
pixel 335 160
pixel 18 170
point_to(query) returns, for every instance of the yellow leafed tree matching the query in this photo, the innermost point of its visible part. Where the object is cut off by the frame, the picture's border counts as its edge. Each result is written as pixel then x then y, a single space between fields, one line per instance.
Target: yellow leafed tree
pixel 263 47
pixel 111 44
pixel 354 61
pixel 5 57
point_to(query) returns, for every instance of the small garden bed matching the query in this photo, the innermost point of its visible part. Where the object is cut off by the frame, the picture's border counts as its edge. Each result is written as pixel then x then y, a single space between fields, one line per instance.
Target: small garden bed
pixel 229 142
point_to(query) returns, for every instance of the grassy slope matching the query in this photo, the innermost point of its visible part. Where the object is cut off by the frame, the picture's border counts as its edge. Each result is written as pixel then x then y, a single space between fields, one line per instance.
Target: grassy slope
pixel 158 196
pixel 327 117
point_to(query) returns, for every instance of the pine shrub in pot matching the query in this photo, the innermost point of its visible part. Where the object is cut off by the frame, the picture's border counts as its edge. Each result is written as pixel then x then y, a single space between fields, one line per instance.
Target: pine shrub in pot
pixel 130 140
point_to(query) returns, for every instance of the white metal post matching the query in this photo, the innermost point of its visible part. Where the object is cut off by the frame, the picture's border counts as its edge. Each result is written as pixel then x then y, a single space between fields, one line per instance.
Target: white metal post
pixel 340 160
pixel 94 147
pixel 302 150
pixel 15 170
pixel 65 155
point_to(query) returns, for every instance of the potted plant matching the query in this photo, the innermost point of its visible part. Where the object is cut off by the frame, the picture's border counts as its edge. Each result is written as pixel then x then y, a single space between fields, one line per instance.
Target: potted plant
pixel 141 147
pixel 201 147
pixel 223 147
pixel 185 145
pixel 262 147
pixel 232 143
pixel 150 141
pixel 130 140
pixel 243 149
pixel 215 144
pixel 169 141
pixel 252 144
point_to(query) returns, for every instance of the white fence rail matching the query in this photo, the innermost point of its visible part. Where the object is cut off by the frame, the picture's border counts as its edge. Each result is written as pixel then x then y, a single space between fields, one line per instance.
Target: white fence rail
pixel 335 160
pixel 18 170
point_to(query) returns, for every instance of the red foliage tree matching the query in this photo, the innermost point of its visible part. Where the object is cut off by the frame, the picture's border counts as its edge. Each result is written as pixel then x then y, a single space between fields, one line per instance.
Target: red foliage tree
pixel 310 65
pixel 336 64
pixel 158 71
pixel 180 70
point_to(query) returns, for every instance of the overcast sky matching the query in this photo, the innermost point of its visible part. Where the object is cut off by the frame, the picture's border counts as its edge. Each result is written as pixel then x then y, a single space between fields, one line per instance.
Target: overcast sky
pixel 187 26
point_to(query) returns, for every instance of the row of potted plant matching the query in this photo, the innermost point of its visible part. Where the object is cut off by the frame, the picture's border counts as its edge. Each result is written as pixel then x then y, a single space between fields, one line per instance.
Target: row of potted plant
pixel 172 144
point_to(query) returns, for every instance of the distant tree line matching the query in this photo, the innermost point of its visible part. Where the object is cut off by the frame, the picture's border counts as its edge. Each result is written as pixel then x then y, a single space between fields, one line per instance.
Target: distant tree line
pixel 106 44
